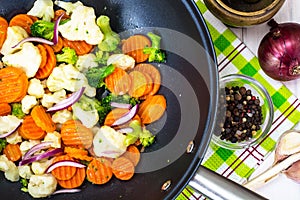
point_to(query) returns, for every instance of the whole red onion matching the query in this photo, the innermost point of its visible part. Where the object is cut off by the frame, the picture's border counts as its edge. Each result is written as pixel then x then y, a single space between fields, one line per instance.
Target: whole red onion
pixel 279 51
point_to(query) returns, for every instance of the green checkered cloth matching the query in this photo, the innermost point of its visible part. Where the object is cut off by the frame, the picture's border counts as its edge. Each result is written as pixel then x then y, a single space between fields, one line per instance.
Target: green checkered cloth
pixel 234 57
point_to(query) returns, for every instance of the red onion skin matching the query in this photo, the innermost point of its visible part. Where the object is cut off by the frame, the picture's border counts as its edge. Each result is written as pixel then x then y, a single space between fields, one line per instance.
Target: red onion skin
pixel 279 51
pixel 293 172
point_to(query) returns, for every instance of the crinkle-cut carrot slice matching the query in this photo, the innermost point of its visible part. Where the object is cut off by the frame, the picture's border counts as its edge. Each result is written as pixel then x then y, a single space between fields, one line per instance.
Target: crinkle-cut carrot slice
pixel 115 114
pixel 43 119
pixel 29 130
pixel 99 171
pixel 81 47
pixel 133 154
pixel 13 84
pixel 22 20
pixel 58 46
pixel 75 181
pixel 63 172
pixel 12 152
pixel 43 53
pixel 44 72
pixel 138 84
pixel 5 109
pixel 152 108
pixel 3 30
pixel 118 82
pixel 123 168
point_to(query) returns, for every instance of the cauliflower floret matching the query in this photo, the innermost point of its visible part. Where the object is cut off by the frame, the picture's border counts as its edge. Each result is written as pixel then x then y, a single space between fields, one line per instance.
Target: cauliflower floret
pixel 49 99
pixel 68 6
pixel 11 172
pixel 109 143
pixel 8 123
pixel 55 138
pixel 39 167
pixel 14 138
pixel 25 171
pixel 36 88
pixel 123 61
pixel 26 145
pixel 42 9
pixel 89 118
pixel 28 102
pixel 41 185
pixel 14 35
pixel 69 78
pixel 28 59
pixel 86 61
pixel 62 116
pixel 82 26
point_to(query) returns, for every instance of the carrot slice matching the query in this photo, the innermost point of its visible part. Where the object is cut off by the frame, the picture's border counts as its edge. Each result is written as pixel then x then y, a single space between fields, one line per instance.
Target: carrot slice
pixel 134 46
pixel 75 181
pixel 78 153
pixel 81 47
pixel 22 20
pixel 13 84
pixel 12 152
pixel 3 30
pixel 118 82
pixel 149 85
pixel 64 172
pixel 43 53
pixel 45 71
pixel 153 72
pixel 42 119
pixel 58 13
pixel 123 168
pixel 29 130
pixel 152 108
pixel 133 154
pixel 59 45
pixel 99 171
pixel 115 114
pixel 5 109
pixel 75 134
pixel 138 84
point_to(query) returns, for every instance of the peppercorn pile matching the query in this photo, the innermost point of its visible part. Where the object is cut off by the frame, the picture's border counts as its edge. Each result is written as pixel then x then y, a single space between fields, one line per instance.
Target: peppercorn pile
pixel 243 115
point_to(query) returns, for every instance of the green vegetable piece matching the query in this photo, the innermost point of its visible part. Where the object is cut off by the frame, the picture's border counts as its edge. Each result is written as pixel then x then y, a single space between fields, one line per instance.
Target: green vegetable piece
pixel 24 183
pixel 96 75
pixel 101 57
pixel 17 110
pixel 43 29
pixel 3 144
pixel 155 53
pixel 68 56
pixel 145 136
pixel 111 39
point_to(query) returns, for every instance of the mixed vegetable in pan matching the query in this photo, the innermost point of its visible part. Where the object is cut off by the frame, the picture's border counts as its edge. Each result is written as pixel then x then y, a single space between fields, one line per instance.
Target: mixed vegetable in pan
pixel 75 98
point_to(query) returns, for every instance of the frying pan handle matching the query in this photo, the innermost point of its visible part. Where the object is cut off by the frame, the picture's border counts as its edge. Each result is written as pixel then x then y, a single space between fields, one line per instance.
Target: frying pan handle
pixel 215 186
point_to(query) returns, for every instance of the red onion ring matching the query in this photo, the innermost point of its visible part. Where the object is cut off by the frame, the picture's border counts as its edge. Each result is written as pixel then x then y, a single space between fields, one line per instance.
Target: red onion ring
pixel 125 130
pixel 10 132
pixel 37 147
pixel 62 191
pixel 127 116
pixel 40 156
pixel 120 105
pixel 64 163
pixel 68 101
pixel 55 35
pixel 33 39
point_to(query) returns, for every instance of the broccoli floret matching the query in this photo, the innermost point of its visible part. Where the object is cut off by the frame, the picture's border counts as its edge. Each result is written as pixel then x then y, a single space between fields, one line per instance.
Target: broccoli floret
pixel 101 57
pixel 139 132
pixel 17 110
pixel 43 29
pixel 68 56
pixel 155 53
pixel 96 75
pixel 111 39
pixel 24 183
pixel 3 143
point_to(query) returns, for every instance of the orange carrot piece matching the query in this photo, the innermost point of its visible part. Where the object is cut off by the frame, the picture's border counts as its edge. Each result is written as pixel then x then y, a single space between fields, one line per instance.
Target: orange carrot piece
pixel 12 152
pixel 59 45
pixel 22 20
pixel 3 30
pixel 99 171
pixel 64 172
pixel 45 71
pixel 43 53
pixel 5 109
pixel 118 82
pixel 152 108
pixel 139 84
pixel 43 119
pixel 133 154
pixel 75 134
pixel 153 72
pixel 29 130
pixel 78 153
pixel 134 47
pixel 13 84
pixel 115 114
pixel 75 181
pixel 123 168
pixel 81 47
pixel 58 13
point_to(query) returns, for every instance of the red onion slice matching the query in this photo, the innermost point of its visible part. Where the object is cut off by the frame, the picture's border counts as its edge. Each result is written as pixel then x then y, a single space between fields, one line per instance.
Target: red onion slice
pixel 55 34
pixel 125 130
pixel 10 132
pixel 120 105
pixel 37 147
pixel 33 39
pixel 127 116
pixel 63 191
pixel 68 101
pixel 40 156
pixel 64 163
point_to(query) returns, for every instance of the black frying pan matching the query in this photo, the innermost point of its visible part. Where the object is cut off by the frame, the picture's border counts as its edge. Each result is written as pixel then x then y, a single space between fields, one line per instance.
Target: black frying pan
pixel 190 84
